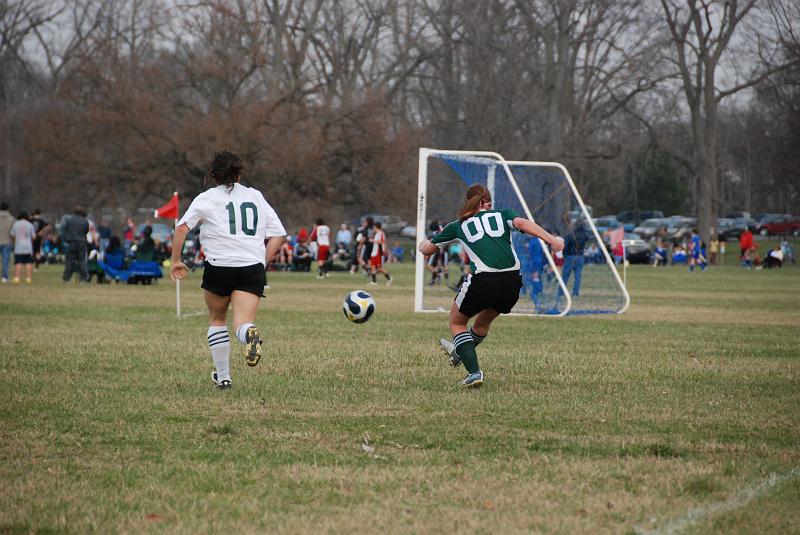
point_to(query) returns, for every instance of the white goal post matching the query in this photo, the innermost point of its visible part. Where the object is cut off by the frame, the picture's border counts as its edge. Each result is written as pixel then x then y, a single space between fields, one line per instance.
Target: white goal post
pixel 543 192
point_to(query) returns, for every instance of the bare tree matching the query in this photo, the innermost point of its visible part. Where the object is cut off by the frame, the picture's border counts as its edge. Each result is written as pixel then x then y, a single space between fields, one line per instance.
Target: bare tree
pixel 18 21
pixel 702 33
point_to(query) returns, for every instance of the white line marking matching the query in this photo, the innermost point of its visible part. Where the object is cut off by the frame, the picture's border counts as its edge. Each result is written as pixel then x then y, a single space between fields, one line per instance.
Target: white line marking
pixel 739 499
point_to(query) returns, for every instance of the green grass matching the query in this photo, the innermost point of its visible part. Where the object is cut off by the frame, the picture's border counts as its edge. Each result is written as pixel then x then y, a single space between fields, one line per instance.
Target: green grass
pixel 109 423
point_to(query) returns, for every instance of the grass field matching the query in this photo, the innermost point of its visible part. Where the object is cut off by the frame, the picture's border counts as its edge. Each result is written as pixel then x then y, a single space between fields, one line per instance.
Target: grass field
pixel 683 415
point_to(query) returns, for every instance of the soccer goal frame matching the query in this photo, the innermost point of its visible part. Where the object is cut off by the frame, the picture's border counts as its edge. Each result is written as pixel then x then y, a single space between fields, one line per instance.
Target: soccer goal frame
pixel 424 155
pixel 422 213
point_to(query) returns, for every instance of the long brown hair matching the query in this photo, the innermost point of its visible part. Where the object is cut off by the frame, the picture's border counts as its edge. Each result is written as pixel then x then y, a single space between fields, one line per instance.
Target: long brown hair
pixel 226 167
pixel 476 194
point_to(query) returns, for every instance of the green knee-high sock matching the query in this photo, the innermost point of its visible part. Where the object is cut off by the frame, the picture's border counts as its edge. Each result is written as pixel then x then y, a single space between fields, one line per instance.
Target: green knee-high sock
pixel 476 338
pixel 465 348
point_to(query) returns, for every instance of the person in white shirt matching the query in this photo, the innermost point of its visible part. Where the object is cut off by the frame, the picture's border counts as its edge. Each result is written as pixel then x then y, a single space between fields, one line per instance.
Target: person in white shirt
pixel 344 236
pixel 376 256
pixel 23 233
pixel 235 221
pixel 322 236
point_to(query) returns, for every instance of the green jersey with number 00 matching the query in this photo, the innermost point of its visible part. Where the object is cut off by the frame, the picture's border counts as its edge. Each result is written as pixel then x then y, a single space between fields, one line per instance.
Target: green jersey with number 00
pixel 486 237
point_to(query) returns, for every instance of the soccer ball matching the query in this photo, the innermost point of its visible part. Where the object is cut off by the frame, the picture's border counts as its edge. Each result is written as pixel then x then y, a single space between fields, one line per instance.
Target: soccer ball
pixel 358 306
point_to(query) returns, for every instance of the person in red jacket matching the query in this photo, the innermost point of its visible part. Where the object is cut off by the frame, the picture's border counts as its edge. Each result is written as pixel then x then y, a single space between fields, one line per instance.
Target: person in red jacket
pixel 745 241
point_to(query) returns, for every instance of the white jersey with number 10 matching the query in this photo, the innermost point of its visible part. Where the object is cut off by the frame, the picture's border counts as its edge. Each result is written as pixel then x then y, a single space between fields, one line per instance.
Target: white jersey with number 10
pixel 234 225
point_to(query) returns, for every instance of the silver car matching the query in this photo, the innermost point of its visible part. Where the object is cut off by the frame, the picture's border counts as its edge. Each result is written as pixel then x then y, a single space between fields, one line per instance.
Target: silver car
pixel 636 250
pixel 680 227
pixel 649 227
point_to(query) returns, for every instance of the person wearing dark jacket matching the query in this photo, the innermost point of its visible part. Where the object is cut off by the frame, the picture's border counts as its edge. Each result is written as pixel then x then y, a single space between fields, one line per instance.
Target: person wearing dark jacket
pixel 574 244
pixel 73 229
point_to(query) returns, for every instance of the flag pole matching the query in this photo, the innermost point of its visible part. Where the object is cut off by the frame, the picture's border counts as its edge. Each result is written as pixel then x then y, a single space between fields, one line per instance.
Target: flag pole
pixel 177 282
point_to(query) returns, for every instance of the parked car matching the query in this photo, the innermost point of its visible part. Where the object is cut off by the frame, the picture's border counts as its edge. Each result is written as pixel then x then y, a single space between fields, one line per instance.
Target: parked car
pixel 783 224
pixel 630 219
pixel 747 221
pixel 409 231
pixel 648 228
pixel 605 223
pixel 680 227
pixel 730 229
pixel 636 249
pixel 389 223
pixel 743 220
pixel 766 218
pixel 727 229
pixel 735 215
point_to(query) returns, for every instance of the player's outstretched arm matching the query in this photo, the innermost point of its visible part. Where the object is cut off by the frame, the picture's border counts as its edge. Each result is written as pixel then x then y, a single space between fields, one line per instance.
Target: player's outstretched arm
pixel 177 269
pixel 529 227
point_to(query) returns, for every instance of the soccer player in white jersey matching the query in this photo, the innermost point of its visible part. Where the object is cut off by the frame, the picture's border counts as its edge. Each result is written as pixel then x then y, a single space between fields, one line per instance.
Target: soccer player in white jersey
pixel 322 235
pixel 376 256
pixel 234 222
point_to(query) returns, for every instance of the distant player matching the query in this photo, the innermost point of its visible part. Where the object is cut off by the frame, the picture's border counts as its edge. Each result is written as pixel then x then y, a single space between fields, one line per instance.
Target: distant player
pixel 377 254
pixel 40 225
pixel 235 220
pixel 322 235
pixel 696 248
pixel 532 271
pixel 437 262
pixel 363 247
pixel 494 288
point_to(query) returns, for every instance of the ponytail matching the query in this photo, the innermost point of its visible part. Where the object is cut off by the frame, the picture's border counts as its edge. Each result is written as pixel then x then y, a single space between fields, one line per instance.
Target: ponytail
pixel 476 195
pixel 226 168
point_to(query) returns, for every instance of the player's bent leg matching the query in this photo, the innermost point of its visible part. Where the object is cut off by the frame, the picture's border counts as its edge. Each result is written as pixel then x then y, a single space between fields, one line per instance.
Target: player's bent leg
pixel 458 324
pixel 245 307
pixel 480 327
pixel 457 321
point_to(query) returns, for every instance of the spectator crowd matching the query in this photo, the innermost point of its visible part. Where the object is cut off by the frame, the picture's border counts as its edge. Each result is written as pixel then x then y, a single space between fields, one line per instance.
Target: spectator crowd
pixel 91 251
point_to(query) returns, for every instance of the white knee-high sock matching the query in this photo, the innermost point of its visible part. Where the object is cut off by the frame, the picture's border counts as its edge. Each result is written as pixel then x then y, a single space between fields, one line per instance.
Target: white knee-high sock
pixel 241 332
pixel 220 345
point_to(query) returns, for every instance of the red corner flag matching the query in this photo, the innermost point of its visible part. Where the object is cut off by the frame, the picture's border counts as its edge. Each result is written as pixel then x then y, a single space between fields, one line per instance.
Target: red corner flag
pixel 615 236
pixel 169 210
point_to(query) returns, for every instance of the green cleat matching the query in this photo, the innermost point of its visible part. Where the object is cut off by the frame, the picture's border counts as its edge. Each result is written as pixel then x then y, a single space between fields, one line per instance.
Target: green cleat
pixel 473 380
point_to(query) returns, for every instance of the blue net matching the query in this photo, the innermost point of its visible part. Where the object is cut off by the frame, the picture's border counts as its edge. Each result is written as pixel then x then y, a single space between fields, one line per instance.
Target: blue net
pixel 546 191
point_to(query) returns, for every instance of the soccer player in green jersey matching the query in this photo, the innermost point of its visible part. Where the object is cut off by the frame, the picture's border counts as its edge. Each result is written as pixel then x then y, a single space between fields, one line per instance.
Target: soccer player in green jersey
pixel 494 286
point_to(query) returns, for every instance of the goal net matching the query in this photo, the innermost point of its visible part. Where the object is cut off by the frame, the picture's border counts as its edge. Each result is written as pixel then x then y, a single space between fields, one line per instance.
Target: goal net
pixel 543 191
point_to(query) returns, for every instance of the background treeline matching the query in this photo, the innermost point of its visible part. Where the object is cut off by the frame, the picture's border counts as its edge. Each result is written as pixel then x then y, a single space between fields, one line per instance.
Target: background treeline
pixel 681 105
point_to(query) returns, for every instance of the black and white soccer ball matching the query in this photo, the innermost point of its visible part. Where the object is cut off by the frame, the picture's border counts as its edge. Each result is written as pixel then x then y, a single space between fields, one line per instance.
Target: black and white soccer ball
pixel 358 306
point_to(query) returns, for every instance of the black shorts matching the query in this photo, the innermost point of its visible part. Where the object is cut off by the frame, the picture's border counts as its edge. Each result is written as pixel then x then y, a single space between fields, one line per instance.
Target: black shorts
pixel 23 259
pixel 223 280
pixel 497 290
